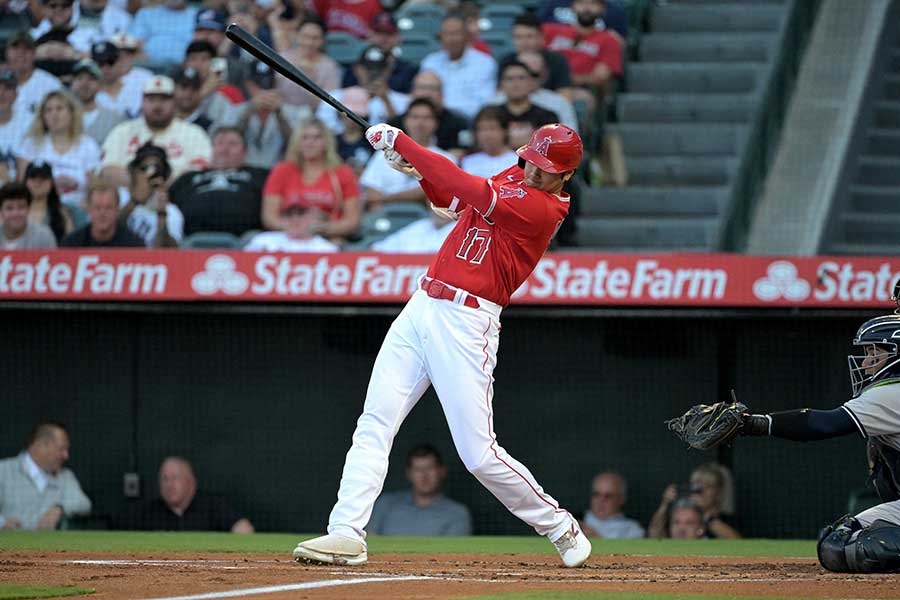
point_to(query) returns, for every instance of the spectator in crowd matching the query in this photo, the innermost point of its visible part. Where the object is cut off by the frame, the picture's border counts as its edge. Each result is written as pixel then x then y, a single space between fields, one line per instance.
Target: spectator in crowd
pixel 188 98
pixel 352 16
pixel 381 184
pixel 313 171
pixel 129 48
pixel 119 91
pixel 210 29
pixel 517 82
pixel 398 72
pixel 604 518
pixel 148 212
pixel 53 50
pixel 686 521
pixel 95 21
pixel 614 16
pixel 225 197
pixel 423 509
pixel 423 236
pixel 56 137
pixel 453 134
pixel 468 75
pixel 215 94
pixel 544 98
pixel 266 119
pixel 710 491
pixel 470 12
pixel 187 145
pixel 33 83
pixel 17 232
pixel 492 140
pixel 97 120
pixel 36 489
pixel 252 17
pixel 165 29
pixel 308 54
pixel 183 507
pixel 352 145
pixel 527 36
pixel 301 220
pixel 384 103
pixel 13 126
pixel 284 21
pixel 595 54
pixel 46 207
pixel 104 229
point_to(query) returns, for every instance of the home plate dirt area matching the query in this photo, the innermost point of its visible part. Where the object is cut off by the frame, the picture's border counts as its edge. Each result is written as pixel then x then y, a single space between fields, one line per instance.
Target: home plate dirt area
pixel 144 576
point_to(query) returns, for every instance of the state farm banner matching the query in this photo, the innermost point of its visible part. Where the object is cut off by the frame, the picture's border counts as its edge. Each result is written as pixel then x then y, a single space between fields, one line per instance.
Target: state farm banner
pixel 703 280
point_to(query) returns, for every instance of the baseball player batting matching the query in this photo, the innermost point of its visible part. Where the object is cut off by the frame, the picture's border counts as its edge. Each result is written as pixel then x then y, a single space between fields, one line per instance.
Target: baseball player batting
pixel 868 542
pixel 447 336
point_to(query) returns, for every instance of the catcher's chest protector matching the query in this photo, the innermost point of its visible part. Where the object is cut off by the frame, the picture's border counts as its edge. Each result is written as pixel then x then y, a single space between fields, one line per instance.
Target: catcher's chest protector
pixel 884 466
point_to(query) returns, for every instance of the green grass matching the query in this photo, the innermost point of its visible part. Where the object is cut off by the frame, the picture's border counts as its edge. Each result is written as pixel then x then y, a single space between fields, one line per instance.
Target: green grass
pixel 550 595
pixel 10 591
pixel 282 543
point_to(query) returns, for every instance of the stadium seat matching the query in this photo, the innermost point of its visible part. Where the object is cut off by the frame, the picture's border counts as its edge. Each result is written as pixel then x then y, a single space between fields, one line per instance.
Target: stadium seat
pixel 343 47
pixel 500 42
pixel 405 210
pixel 420 18
pixel 380 223
pixel 414 47
pixel 247 236
pixel 499 17
pixel 211 240
pixel 10 24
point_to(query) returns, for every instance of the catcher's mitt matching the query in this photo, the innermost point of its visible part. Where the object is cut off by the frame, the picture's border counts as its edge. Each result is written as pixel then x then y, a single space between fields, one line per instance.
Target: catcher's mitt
pixel 707 426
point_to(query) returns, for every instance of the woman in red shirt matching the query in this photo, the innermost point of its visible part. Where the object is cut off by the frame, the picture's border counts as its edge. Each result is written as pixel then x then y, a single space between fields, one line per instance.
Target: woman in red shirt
pixel 314 172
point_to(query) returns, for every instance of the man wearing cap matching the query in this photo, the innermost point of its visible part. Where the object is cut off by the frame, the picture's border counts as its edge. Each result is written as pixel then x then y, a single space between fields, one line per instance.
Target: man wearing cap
pixel 148 212
pixel 129 48
pixel 299 218
pixel 13 126
pixel 187 146
pixel 116 92
pixel 469 76
pixel 188 98
pixel 17 232
pixel 90 21
pixel 386 37
pixel 215 93
pixel 34 83
pixel 266 120
pixel 165 29
pixel 210 28
pixel 371 72
pixel 98 120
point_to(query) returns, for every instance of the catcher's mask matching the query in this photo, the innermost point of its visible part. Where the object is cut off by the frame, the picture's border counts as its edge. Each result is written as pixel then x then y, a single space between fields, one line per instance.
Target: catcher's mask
pixel 880 333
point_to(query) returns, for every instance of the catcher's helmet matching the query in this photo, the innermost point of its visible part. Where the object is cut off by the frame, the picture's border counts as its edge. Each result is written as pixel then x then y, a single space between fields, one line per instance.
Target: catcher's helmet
pixel 882 333
pixel 553 148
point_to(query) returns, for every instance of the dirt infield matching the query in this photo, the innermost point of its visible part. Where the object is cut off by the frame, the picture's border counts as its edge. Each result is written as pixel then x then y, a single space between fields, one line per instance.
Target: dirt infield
pixel 390 576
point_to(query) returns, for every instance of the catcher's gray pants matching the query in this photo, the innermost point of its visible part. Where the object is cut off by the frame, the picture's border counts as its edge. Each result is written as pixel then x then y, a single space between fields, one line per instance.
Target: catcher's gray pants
pixel 889 511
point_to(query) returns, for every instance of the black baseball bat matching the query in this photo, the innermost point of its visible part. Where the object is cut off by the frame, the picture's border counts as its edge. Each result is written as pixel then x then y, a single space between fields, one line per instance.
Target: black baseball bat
pixel 266 54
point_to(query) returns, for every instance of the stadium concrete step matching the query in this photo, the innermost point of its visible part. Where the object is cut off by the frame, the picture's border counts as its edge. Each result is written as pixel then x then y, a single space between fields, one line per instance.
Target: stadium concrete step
pixel 695 78
pixel 887 113
pixel 684 108
pixel 647 201
pixel 707 47
pixel 875 199
pixel 891 86
pixel 680 171
pixel 730 16
pixel 883 142
pixel 877 170
pixel 656 139
pixel 862 249
pixel 648 233
pixel 860 227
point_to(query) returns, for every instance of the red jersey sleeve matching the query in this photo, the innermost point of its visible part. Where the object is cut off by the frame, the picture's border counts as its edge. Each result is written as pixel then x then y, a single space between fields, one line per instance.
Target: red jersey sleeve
pixel 277 180
pixel 348 182
pixel 610 52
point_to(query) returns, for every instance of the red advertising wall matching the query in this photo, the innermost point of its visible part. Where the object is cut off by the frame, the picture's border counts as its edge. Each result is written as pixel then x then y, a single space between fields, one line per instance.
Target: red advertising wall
pixel 703 280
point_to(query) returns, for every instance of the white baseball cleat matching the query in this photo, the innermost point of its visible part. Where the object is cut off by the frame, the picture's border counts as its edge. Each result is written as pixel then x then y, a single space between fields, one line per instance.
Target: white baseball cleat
pixel 332 549
pixel 573 546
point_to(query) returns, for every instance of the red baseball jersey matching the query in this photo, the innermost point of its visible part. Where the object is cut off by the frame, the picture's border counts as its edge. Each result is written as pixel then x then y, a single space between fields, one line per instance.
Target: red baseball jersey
pixel 583 53
pixel 504 228
pixel 352 16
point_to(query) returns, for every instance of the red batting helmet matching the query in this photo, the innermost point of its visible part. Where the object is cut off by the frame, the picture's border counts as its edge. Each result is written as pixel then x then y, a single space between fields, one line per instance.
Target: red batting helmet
pixel 553 148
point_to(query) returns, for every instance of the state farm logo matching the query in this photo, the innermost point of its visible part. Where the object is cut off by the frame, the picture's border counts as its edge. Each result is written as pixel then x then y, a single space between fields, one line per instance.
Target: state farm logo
pixel 220 276
pixel 781 281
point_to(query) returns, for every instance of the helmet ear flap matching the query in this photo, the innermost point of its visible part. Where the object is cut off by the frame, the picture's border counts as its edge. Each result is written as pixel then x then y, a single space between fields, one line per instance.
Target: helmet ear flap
pixel 522 163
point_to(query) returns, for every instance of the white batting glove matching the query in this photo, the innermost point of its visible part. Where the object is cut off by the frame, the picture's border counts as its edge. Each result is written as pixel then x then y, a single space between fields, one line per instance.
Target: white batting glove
pixel 398 163
pixel 382 136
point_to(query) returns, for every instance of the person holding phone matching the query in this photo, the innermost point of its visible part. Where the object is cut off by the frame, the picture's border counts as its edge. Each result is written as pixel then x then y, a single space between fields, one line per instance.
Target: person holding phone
pixel 148 212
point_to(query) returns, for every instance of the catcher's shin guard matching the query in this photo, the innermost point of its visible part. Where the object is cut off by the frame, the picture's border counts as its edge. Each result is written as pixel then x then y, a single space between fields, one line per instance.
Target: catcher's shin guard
pixel 845 547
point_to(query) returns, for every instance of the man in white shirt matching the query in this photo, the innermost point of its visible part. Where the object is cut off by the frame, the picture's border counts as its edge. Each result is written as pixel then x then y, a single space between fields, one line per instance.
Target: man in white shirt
pixel 492 139
pixel 604 518
pixel 148 212
pixel 382 184
pixel 92 21
pixel 187 146
pixel 36 490
pixel 424 236
pixel 12 126
pixel 34 83
pixel 118 93
pixel 300 221
pixel 98 120
pixel 469 76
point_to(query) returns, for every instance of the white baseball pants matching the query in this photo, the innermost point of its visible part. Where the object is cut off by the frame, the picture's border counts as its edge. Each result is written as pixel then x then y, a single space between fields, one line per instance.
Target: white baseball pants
pixel 453 347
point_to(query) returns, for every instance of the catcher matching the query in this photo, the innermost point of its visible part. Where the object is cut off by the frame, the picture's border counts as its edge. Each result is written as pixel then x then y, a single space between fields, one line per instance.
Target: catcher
pixel 870 541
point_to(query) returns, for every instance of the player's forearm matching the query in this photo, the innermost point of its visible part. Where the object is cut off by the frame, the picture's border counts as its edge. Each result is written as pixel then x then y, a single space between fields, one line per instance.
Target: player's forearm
pixel 803 425
pixel 443 175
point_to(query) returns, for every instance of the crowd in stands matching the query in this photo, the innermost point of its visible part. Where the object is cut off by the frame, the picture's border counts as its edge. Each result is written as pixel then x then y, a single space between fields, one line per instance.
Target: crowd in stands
pixel 149 106
pixel 37 491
